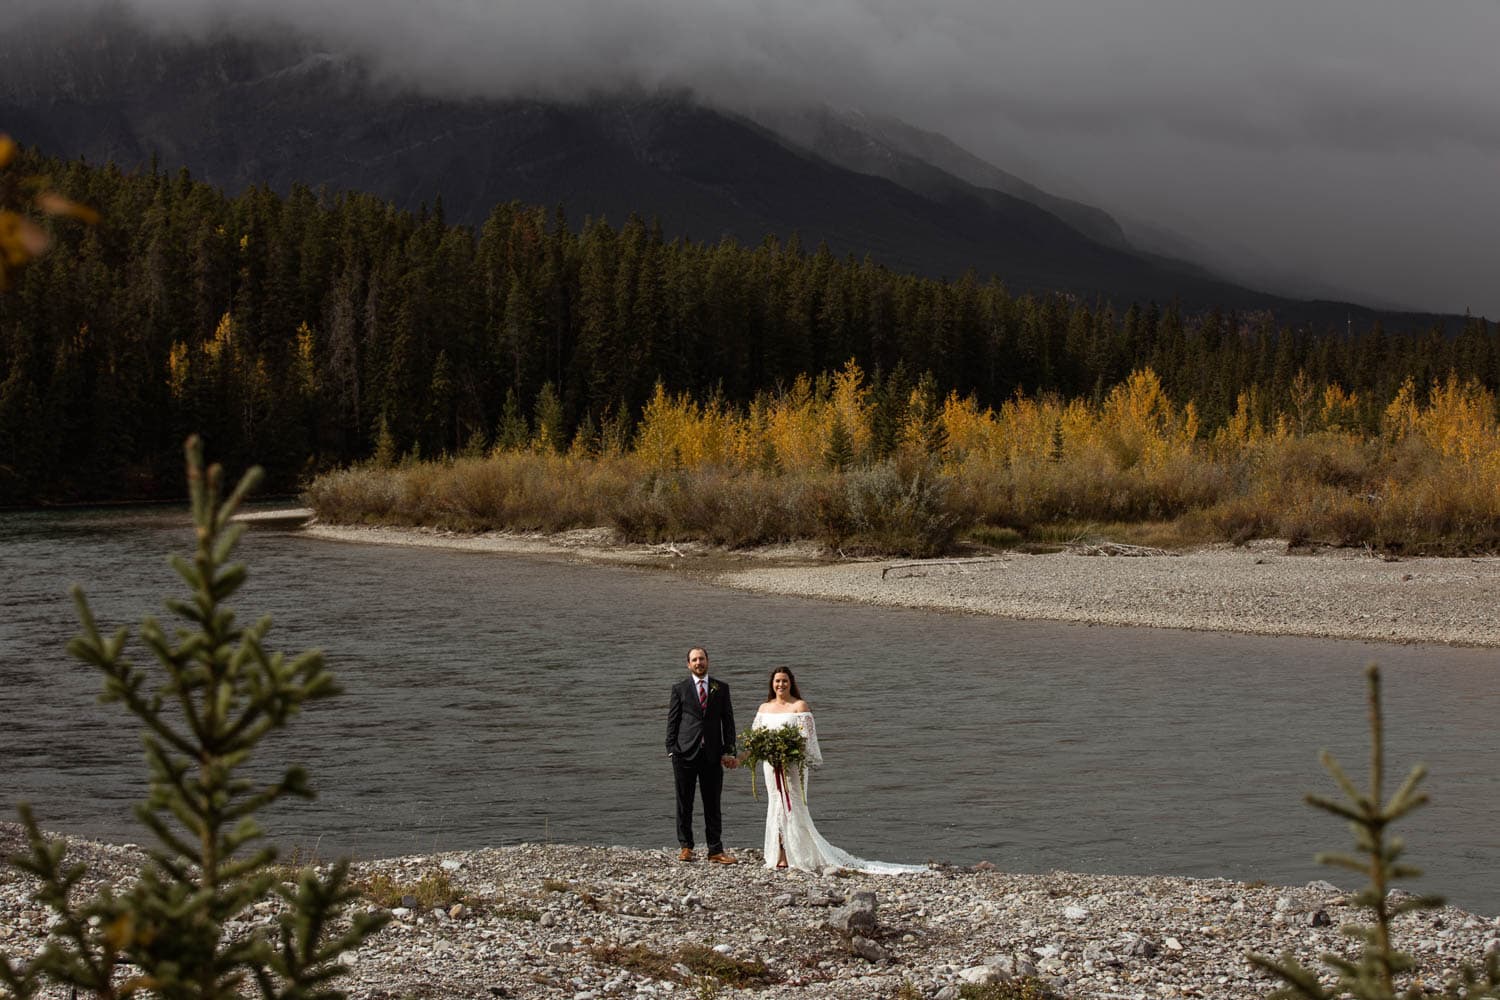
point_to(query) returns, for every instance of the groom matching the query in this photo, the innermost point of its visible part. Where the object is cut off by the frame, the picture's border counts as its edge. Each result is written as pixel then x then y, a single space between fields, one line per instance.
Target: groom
pixel 700 741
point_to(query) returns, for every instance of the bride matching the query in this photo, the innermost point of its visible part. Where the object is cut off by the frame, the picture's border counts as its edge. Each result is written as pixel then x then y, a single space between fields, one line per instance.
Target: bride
pixel 791 839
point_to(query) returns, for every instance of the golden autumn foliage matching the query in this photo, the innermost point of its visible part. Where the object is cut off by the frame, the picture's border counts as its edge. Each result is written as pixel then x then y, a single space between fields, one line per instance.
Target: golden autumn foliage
pixel 1339 410
pixel 220 350
pixel 178 369
pixel 21 238
pixel 1136 424
pixel 305 370
pixel 803 463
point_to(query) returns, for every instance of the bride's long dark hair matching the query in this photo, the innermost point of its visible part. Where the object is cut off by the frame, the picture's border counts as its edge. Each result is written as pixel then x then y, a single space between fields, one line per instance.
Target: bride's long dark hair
pixel 771 684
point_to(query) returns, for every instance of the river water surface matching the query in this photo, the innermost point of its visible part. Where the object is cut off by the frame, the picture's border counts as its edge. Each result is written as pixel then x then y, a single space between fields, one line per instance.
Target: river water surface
pixel 495 699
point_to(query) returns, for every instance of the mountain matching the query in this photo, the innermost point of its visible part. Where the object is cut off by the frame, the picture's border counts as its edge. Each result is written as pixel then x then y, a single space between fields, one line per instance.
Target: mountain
pixel 238 112
pixel 925 162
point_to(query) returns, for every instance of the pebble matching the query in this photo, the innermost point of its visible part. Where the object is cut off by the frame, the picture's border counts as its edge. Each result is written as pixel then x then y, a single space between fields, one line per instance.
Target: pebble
pixel 870 951
pixel 1145 937
pixel 1331 594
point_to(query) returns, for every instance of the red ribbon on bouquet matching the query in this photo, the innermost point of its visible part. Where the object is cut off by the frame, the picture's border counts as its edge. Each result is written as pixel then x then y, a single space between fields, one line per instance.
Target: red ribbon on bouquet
pixel 781 787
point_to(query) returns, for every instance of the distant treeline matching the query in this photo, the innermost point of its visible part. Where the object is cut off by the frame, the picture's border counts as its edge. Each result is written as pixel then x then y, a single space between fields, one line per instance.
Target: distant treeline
pixel 299 331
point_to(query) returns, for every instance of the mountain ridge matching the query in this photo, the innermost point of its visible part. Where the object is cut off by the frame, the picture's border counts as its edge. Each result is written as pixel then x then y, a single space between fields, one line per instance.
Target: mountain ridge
pixel 240 112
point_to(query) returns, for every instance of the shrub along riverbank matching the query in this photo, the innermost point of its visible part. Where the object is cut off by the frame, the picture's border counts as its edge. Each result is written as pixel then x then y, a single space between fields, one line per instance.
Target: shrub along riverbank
pixel 824 461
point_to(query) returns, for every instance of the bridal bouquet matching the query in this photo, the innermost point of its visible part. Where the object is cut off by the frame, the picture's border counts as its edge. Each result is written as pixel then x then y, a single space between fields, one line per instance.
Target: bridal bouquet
pixel 780 747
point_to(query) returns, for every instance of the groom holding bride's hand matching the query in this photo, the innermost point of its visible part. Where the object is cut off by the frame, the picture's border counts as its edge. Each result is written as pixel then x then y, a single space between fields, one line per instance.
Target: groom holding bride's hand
pixel 700 741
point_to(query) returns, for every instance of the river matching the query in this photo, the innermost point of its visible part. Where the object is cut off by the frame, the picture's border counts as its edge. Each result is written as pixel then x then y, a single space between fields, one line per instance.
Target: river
pixel 495 699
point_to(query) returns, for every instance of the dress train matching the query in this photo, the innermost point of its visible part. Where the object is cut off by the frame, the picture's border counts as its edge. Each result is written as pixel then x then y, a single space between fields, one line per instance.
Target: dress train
pixel 789 825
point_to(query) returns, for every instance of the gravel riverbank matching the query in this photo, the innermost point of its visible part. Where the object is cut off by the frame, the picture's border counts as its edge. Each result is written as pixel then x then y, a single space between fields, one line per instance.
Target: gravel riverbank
pixel 536 921
pixel 1259 588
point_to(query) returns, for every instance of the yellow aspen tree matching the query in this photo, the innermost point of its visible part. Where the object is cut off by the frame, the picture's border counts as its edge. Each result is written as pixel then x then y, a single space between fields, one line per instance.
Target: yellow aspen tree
pixel 222 343
pixel 1243 428
pixel 795 429
pixel 969 431
pixel 849 397
pixel 1339 409
pixel 178 370
pixel 306 371
pixel 1459 420
pixel 1401 416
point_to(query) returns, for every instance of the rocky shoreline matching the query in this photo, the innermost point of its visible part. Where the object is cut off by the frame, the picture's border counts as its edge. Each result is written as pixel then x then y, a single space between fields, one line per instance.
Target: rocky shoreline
pixel 535 921
pixel 1261 588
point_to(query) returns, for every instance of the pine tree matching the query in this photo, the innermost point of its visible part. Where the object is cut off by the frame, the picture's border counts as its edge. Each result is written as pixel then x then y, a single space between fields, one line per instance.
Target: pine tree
pixel 1373 973
pixel 440 394
pixel 889 396
pixel 614 436
pixel 169 929
pixel 476 445
pixel 548 416
pixel 586 440
pixel 513 432
pixel 839 454
pixel 385 446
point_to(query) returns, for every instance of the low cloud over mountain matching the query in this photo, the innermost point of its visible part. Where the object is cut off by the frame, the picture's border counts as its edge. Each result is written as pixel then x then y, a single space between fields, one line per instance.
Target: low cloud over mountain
pixel 1350 143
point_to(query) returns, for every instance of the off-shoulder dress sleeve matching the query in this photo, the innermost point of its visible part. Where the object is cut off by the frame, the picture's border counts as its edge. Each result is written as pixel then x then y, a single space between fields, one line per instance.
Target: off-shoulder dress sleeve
pixel 814 754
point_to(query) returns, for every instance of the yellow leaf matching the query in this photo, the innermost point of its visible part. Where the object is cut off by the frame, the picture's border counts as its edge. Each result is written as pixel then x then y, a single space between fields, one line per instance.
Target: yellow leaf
pixel 139 984
pixel 7 149
pixel 120 932
pixel 55 204
pixel 20 239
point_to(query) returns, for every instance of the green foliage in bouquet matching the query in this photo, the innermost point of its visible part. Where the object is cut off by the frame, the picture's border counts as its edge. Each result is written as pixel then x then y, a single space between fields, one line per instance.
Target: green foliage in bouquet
pixel 1372 975
pixel 168 933
pixel 779 746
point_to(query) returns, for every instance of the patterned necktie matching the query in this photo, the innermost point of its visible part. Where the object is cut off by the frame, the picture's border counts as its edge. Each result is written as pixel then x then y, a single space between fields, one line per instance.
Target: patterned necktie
pixel 703 694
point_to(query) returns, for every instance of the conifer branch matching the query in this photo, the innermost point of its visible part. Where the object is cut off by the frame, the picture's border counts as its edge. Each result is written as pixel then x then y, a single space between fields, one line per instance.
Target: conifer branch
pixel 222 692
pixel 1372 975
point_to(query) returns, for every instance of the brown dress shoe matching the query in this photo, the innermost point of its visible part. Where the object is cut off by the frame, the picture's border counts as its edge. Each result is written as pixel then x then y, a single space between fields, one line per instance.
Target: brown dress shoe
pixel 723 859
pixel 686 854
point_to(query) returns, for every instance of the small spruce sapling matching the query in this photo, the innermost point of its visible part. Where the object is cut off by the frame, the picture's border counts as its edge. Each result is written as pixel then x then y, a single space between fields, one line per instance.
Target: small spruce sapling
pixel 222 693
pixel 839 454
pixel 1372 975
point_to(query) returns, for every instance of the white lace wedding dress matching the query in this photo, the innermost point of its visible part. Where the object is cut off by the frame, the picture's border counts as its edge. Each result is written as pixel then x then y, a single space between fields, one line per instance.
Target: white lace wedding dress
pixel 792 828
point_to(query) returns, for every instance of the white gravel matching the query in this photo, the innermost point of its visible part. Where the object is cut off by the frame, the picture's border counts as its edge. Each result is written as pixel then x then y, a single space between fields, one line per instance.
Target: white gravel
pixel 538 921
pixel 1259 588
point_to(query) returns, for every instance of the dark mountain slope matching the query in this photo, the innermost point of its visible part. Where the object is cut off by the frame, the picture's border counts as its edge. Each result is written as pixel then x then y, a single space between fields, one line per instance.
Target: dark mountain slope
pixel 239 113
pixel 927 163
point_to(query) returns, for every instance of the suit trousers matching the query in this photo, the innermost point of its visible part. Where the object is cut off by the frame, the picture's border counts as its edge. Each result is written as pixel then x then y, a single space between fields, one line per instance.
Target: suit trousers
pixel 703 771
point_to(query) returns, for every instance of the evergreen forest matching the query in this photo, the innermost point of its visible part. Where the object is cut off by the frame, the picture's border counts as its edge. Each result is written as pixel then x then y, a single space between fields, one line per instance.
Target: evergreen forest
pixel 304 332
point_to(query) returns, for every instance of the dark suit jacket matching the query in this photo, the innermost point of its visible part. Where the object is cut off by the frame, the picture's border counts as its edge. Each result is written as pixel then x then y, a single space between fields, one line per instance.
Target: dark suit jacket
pixel 692 730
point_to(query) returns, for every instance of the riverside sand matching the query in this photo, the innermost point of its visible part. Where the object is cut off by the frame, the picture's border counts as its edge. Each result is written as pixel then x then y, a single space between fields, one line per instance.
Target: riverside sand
pixel 1259 588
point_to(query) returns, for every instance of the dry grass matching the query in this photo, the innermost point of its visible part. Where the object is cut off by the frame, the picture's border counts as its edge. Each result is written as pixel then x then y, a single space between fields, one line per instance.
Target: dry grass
pixel 1023 988
pixel 1043 469
pixel 700 961
pixel 433 889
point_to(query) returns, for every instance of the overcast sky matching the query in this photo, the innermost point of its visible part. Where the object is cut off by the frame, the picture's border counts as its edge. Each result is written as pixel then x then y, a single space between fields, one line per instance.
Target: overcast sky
pixel 1352 144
